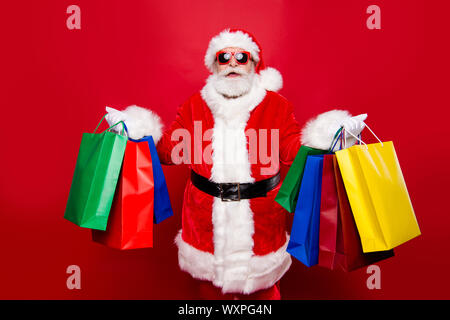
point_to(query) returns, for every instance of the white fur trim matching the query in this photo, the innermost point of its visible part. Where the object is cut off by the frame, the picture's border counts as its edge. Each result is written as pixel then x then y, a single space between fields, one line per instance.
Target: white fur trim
pixel 198 263
pixel 319 132
pixel 261 272
pixel 271 79
pixel 226 39
pixel 229 143
pixel 233 224
pixel 142 122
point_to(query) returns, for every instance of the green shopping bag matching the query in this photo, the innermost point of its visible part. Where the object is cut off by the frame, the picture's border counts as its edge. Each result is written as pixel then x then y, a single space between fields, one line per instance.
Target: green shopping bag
pixel 288 193
pixel 94 182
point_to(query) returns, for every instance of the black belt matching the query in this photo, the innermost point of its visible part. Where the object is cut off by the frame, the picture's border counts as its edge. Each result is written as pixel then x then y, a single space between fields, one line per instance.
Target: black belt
pixel 235 191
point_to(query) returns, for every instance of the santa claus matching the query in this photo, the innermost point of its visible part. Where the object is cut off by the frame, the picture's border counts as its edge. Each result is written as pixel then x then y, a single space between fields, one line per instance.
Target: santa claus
pixel 233 232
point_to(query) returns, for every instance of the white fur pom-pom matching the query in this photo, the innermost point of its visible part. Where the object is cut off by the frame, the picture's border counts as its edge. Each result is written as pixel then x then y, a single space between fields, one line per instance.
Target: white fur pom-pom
pixel 271 79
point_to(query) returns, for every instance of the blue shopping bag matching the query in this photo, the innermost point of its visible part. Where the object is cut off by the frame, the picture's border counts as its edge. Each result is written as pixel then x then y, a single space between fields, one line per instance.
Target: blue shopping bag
pixel 304 241
pixel 162 206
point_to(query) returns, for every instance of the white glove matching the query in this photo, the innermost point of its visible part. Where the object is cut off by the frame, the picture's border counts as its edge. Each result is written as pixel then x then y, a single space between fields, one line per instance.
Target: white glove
pixel 115 116
pixel 355 124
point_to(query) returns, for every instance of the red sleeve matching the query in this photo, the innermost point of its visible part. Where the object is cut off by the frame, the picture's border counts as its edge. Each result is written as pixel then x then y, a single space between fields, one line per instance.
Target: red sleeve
pixel 166 144
pixel 289 136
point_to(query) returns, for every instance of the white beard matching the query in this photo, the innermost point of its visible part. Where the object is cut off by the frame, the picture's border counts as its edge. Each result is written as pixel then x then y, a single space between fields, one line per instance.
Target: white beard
pixel 233 87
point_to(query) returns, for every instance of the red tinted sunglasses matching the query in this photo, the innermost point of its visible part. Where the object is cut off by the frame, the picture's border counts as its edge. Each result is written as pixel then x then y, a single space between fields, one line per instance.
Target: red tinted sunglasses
pixel 224 57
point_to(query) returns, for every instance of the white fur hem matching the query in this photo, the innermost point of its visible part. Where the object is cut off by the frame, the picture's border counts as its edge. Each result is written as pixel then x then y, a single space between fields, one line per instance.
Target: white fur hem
pixel 264 271
pixel 319 132
pixel 142 122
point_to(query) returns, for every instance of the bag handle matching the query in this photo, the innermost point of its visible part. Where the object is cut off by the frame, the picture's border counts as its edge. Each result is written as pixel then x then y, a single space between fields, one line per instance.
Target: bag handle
pixel 340 136
pixel 336 138
pixel 123 124
pixel 359 139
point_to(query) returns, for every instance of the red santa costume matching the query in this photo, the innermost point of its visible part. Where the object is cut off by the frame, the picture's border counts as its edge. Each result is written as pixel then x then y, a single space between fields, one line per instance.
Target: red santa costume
pixel 239 246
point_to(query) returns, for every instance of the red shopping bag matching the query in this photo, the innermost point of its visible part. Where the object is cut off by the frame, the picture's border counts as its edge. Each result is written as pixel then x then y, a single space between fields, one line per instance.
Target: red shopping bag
pixel 130 222
pixel 328 225
pixel 339 241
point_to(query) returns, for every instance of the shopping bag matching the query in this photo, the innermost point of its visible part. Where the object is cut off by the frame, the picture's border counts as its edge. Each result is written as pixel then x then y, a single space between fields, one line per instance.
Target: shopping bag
pixel 95 178
pixel 288 193
pixel 304 239
pixel 162 207
pixel 378 195
pixel 328 221
pixel 130 223
pixel 339 242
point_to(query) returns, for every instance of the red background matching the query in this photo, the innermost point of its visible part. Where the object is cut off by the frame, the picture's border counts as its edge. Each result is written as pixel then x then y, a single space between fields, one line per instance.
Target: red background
pixel 55 83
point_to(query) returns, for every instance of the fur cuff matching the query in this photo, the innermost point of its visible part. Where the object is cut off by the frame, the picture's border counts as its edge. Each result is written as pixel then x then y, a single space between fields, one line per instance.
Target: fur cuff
pixel 142 122
pixel 319 132
pixel 271 79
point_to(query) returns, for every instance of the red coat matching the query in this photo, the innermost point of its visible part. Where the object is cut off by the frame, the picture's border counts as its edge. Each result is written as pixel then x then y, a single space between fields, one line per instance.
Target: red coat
pixel 239 246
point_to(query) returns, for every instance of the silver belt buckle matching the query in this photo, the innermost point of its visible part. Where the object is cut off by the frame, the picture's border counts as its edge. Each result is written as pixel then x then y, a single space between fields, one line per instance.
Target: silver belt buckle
pixel 230 200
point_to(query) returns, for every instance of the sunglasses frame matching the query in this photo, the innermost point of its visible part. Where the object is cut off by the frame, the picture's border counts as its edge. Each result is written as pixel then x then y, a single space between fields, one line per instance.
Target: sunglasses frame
pixel 232 55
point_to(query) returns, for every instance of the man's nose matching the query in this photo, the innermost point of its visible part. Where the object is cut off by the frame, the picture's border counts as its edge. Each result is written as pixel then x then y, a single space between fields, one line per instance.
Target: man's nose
pixel 233 62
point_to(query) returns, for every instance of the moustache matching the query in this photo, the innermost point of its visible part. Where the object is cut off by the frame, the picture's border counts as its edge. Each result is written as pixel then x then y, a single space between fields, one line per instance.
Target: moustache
pixel 229 70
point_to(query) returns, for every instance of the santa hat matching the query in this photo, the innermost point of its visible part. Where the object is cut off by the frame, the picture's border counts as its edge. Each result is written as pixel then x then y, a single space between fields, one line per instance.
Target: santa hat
pixel 269 78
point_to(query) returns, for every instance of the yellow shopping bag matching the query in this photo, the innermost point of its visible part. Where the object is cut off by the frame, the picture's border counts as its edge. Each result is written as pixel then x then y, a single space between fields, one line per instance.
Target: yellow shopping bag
pixel 378 195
